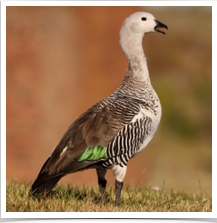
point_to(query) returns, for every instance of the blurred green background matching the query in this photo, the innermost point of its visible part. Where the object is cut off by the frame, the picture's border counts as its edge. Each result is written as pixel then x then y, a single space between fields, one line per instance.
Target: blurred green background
pixel 62 60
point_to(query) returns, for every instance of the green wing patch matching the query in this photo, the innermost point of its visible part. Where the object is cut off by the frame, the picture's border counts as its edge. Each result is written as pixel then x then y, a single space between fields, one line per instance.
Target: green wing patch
pixel 94 153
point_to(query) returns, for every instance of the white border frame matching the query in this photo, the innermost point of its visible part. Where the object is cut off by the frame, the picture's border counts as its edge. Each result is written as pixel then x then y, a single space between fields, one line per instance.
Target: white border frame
pixel 173 215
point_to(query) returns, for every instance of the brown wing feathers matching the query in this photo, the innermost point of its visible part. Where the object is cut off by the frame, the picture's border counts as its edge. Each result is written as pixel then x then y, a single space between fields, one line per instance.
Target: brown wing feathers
pixel 97 126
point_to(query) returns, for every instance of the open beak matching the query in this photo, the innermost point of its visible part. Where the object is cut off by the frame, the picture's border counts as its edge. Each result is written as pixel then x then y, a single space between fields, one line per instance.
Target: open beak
pixel 159 26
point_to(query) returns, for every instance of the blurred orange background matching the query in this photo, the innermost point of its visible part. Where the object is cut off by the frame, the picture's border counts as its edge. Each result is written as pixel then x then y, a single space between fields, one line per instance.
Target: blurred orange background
pixel 62 60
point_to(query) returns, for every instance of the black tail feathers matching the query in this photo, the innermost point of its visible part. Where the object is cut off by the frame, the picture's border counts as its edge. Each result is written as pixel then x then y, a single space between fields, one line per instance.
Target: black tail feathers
pixel 44 181
pixel 45 186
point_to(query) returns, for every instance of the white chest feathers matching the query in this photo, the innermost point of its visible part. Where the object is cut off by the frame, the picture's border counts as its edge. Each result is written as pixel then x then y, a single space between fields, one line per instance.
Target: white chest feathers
pixel 149 126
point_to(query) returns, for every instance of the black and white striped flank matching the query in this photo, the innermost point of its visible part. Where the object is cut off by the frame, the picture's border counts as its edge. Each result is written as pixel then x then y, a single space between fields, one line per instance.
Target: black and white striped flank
pixel 126 144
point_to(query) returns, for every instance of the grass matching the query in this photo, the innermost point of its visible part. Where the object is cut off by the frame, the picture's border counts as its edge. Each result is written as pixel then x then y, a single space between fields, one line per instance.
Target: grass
pixel 87 199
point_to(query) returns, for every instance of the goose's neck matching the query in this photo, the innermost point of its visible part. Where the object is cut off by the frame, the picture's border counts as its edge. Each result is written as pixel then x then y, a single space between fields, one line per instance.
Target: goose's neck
pixel 132 47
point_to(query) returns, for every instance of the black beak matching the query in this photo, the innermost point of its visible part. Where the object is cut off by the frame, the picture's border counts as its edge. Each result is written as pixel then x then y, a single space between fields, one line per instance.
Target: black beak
pixel 159 26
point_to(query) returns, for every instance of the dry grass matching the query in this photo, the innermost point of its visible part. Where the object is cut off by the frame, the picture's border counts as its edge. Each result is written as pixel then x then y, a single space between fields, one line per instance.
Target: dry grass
pixel 87 199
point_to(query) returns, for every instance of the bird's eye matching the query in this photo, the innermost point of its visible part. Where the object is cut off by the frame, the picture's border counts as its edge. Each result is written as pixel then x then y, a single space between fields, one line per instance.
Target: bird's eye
pixel 143 19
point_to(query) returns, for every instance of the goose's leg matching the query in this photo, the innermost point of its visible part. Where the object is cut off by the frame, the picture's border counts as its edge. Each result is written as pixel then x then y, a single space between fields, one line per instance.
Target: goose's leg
pixel 102 182
pixel 118 188
pixel 119 173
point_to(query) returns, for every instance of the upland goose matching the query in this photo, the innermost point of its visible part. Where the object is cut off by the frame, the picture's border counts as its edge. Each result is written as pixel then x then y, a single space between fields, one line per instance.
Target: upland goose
pixel 115 129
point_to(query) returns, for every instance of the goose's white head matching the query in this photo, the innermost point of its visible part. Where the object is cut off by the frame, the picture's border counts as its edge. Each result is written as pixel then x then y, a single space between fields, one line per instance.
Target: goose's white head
pixel 143 22
pixel 134 28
